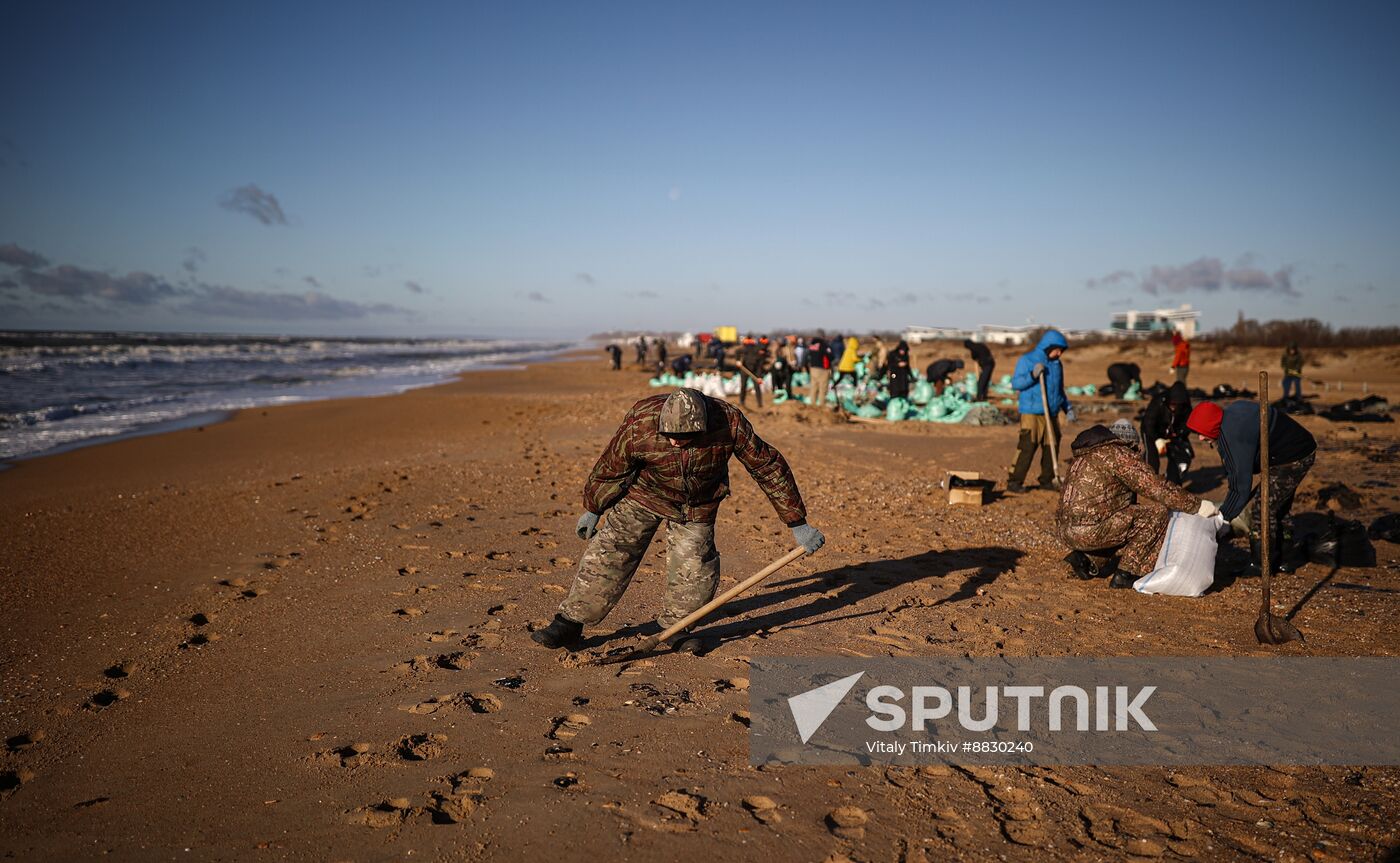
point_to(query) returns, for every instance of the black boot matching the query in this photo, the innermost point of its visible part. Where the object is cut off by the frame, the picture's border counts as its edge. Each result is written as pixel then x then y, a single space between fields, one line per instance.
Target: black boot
pixel 561 632
pixel 1083 567
pixel 1122 579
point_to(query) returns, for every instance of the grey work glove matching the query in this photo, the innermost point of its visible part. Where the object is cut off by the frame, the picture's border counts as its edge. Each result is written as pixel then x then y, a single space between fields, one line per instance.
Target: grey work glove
pixel 587 525
pixel 1037 371
pixel 808 537
pixel 1070 415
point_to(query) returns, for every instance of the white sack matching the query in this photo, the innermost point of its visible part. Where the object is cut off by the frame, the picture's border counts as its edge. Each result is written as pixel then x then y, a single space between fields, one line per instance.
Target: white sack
pixel 1186 563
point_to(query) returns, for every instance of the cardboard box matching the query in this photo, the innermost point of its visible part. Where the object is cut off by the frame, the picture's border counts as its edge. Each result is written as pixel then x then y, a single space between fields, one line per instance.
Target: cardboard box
pixel 973 495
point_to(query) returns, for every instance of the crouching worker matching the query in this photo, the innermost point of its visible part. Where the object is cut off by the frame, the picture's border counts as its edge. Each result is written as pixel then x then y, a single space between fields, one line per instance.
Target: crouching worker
pixel 1234 431
pixel 1098 518
pixel 668 462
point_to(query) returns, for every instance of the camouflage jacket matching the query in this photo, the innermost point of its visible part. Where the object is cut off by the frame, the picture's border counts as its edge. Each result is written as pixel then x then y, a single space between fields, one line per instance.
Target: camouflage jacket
pixel 1104 476
pixel 687 483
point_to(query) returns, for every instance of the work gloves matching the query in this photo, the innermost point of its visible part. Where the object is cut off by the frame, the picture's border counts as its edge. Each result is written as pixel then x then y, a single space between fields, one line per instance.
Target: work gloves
pixel 587 525
pixel 808 537
pixel 1070 414
pixel 1207 509
pixel 1037 371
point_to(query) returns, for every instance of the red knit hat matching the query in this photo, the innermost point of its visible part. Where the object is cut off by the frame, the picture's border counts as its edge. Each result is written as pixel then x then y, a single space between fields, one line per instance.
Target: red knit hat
pixel 1205 420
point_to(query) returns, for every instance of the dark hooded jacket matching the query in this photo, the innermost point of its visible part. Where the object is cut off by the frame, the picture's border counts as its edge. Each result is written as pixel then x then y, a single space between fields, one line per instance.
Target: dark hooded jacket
pixel 1165 416
pixel 940 369
pixel 981 354
pixel 1239 448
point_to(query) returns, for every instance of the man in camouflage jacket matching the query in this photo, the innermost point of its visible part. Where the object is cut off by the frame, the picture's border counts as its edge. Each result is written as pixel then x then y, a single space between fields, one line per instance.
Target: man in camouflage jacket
pixel 1098 517
pixel 668 462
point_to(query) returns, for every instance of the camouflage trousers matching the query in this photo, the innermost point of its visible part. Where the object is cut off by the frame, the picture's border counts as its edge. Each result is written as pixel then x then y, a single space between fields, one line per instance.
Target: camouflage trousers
pixel 1284 480
pixel 607 567
pixel 1135 534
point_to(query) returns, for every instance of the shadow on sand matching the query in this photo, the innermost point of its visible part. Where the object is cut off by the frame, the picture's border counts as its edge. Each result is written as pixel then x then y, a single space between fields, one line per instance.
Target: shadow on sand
pixel 749 614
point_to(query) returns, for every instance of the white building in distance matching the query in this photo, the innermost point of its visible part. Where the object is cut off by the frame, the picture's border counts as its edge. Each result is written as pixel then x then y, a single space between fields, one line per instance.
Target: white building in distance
pixel 1183 320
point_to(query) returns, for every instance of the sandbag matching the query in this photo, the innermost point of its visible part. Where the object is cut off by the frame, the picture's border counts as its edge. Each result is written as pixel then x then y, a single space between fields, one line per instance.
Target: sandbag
pixel 1341 542
pixel 896 410
pixel 1387 528
pixel 1186 563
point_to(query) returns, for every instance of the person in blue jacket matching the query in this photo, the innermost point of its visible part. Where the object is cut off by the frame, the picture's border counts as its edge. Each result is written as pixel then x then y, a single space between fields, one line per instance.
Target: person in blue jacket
pixel 1043 361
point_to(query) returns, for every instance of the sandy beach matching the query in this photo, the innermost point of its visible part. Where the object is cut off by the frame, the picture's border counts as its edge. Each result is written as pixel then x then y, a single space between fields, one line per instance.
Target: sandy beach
pixel 302 634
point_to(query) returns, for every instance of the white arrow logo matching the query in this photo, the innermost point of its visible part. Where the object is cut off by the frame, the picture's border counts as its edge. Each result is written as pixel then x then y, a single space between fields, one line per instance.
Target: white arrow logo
pixel 811 708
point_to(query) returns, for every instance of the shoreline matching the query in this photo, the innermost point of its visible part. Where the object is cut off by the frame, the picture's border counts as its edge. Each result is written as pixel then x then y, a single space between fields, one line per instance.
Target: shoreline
pixel 201 418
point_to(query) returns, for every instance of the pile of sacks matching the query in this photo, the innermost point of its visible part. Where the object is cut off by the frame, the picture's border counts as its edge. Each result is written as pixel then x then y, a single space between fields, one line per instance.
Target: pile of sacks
pixel 866 399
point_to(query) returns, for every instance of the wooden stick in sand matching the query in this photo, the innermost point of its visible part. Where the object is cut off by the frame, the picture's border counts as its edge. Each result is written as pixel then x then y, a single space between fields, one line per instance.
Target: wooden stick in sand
pixel 649 644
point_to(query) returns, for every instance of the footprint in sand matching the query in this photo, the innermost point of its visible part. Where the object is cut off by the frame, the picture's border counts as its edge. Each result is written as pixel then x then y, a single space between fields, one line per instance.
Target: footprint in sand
pixel 732 684
pixel 199 618
pixel 432 705
pixel 199 639
pixel 765 809
pixel 11 780
pixel 409 612
pixel 21 742
pixel 684 803
pixel 352 755
pixel 847 822
pixel 106 698
pixel 568 727
pixel 442 635
pixel 482 702
pixel 423 664
pixel 421 747
pixel 120 671
pixel 390 813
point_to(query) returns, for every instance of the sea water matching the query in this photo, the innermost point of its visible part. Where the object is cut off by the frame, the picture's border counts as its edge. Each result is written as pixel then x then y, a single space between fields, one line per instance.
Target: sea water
pixel 61 389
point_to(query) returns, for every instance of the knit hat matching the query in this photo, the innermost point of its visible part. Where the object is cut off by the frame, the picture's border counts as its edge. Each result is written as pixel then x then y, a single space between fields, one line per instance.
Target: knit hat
pixel 1124 431
pixel 1205 420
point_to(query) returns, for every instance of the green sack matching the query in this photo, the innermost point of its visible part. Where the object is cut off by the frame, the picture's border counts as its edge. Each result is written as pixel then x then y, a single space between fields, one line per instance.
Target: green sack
pixel 896 410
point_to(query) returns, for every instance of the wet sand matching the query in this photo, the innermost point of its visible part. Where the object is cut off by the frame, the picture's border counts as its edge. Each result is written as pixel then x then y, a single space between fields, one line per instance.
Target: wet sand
pixel 303 634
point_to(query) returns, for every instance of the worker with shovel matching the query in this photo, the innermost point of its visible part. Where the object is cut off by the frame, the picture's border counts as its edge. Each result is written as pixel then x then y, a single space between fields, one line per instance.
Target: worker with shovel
pixel 668 462
pixel 1040 379
pixel 1234 431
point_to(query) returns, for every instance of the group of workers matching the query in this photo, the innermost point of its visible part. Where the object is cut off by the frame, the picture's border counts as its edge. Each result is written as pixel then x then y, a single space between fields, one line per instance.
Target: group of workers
pixel 668 463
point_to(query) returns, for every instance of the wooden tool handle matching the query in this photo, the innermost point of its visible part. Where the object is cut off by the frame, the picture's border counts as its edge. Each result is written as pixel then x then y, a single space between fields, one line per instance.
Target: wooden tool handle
pixel 1263 513
pixel 1049 426
pixel 692 618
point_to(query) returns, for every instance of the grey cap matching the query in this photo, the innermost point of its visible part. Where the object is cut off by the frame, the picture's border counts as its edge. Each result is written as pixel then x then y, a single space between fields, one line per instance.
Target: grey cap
pixel 1125 431
pixel 683 412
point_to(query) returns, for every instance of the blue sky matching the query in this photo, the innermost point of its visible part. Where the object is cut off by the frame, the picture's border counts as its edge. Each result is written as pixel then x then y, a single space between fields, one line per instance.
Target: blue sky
pixel 559 169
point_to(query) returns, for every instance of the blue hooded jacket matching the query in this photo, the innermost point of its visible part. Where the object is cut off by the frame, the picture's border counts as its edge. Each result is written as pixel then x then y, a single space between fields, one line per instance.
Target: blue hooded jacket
pixel 1029 387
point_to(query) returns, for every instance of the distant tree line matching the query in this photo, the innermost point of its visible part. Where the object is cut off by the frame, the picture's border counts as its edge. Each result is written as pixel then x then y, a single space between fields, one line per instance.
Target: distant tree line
pixel 1305 332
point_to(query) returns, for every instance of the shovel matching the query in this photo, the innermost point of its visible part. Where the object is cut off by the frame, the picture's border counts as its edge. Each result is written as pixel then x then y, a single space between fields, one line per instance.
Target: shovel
pixel 1269 628
pixel 647 645
pixel 1050 429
